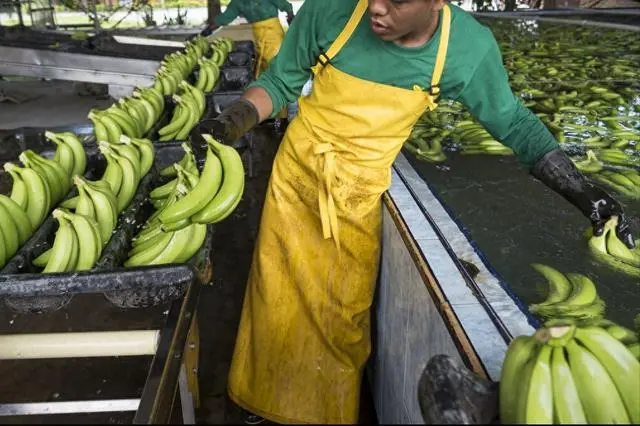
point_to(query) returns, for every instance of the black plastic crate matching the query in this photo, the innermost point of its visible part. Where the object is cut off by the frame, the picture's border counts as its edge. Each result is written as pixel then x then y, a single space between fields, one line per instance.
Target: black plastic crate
pixel 239 58
pixel 244 46
pixel 231 78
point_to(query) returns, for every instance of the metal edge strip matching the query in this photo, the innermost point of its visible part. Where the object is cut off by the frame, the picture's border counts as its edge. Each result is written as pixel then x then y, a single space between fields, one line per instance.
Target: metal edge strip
pixel 445 309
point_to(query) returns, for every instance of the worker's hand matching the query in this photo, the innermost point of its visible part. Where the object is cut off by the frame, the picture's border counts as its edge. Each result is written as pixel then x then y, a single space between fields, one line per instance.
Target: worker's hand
pixel 289 17
pixel 603 208
pixel 234 121
pixel 208 30
pixel 559 173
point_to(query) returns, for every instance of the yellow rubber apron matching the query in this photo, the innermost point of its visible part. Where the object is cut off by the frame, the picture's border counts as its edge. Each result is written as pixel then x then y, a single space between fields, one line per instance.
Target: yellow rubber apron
pixel 268 35
pixel 304 333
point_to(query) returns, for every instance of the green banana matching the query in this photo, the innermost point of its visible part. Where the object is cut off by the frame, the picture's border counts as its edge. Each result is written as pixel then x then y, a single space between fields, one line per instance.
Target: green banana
pixel 195 242
pixel 559 286
pixel 622 366
pixel 64 156
pixel 89 241
pixel 199 196
pixel 42 260
pixel 232 184
pixel 105 209
pixel 84 204
pixel 128 151
pixel 9 231
pixel 520 351
pixel 147 256
pixel 174 248
pixel 124 121
pixel 590 165
pixel 49 177
pixel 63 246
pixel 112 174
pixel 18 189
pixel 622 334
pixel 595 387
pixel 566 401
pixel 100 130
pixel 38 193
pixel 79 154
pixel 19 216
pixel 130 180
pixel 146 150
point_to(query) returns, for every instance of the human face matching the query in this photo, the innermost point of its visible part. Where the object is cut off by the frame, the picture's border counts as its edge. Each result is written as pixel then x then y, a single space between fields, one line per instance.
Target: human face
pixel 406 22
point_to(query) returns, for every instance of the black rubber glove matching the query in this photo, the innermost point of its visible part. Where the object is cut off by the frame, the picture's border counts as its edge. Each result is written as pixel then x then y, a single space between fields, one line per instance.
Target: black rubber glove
pixel 559 173
pixel 289 18
pixel 208 30
pixel 234 121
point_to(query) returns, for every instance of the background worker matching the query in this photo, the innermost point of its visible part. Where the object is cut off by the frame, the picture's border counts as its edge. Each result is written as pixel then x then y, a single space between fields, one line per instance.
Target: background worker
pixel 268 33
pixel 304 334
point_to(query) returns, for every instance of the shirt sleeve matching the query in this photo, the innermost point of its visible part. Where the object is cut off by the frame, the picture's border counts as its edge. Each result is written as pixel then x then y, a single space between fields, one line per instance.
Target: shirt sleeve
pixel 291 68
pixel 492 102
pixel 229 14
pixel 283 5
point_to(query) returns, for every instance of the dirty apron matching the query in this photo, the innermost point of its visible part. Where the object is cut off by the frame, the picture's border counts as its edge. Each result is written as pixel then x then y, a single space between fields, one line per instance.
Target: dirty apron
pixel 304 333
pixel 268 35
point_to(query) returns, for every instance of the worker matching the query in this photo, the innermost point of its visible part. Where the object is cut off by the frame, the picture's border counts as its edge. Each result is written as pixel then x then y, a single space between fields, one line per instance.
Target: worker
pixel 377 65
pixel 267 30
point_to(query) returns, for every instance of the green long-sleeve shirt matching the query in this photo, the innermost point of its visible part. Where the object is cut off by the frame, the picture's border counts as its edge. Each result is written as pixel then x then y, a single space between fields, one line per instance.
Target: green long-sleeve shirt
pixel 473 71
pixel 252 10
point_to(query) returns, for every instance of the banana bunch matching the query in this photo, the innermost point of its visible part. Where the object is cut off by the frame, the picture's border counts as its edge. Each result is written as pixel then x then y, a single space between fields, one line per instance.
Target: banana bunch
pixel 207 75
pixel 424 150
pixel 131 116
pixel 609 249
pixel 618 157
pixel 199 45
pixel 190 107
pixel 216 194
pixel 94 207
pixel 475 139
pixel 565 374
pixel 36 188
pixel 623 181
pixel 127 163
pixel 571 296
pixel 174 68
pixel 590 164
pixel 220 48
pixel 158 244
pixel 15 228
pixel 160 194
pixel 77 245
pixel 70 153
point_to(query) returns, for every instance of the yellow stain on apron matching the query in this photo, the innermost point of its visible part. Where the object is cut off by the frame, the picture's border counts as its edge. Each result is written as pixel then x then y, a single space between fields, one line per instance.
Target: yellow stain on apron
pixel 268 35
pixel 304 333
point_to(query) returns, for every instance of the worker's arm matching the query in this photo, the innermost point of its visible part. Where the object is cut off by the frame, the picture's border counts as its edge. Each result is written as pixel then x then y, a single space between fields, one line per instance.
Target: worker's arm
pixel 279 85
pixel 490 99
pixel 282 5
pixel 229 14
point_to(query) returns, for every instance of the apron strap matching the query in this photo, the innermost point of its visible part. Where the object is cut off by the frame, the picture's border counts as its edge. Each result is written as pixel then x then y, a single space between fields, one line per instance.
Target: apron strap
pixel 345 35
pixel 441 56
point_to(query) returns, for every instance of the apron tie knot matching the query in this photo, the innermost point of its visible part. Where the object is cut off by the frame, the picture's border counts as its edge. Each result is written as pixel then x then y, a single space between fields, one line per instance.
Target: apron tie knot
pixel 327 205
